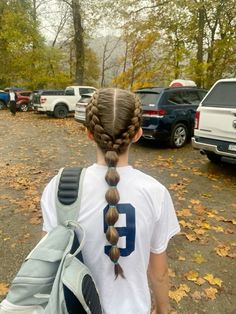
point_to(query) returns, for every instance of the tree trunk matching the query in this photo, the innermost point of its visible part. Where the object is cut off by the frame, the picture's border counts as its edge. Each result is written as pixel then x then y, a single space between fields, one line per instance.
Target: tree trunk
pixel 79 42
pixel 200 37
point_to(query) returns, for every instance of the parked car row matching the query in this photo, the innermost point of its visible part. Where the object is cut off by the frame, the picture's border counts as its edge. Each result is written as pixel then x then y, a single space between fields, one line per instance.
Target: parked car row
pixel 174 114
pixel 168 113
pixel 23 102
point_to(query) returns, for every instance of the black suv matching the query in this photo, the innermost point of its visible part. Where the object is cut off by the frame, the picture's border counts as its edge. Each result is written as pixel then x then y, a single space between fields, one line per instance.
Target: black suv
pixel 168 113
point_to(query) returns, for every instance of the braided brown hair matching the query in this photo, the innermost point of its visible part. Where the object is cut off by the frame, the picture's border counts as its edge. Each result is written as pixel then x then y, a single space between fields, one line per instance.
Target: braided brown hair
pixel 113 116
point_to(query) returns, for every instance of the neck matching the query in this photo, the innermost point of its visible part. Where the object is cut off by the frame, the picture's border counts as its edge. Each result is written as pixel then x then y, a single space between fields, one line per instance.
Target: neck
pixel 123 159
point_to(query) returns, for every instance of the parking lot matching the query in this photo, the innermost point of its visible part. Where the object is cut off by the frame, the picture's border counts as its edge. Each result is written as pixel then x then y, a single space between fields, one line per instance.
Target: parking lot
pixel 201 258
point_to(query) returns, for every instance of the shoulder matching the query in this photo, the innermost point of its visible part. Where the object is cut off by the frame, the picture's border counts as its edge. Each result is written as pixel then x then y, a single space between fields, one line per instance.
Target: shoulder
pixel 146 180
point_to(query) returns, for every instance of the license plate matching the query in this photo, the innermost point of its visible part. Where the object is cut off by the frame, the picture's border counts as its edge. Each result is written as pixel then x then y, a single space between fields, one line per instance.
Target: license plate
pixel 232 147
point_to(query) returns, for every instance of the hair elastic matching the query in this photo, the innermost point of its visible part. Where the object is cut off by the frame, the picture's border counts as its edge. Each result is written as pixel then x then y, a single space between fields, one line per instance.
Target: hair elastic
pixel 113 186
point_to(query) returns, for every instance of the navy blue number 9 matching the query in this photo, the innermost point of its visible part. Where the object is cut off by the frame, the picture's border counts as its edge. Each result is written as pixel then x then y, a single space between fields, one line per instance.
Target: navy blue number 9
pixel 127 231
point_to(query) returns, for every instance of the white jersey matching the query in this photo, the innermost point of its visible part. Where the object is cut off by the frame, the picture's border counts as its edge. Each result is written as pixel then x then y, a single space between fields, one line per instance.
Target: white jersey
pixel 147 221
pixel 12 96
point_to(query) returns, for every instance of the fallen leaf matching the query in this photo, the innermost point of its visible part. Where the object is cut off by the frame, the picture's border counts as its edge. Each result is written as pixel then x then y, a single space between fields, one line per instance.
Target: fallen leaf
pixel 196 296
pixel 213 280
pixel 191 237
pixel 191 275
pixel 181 258
pixel 184 213
pixel 179 293
pixel 200 281
pixel 3 289
pixel 222 250
pixel 171 273
pixel 198 258
pixel 211 293
pixel 194 202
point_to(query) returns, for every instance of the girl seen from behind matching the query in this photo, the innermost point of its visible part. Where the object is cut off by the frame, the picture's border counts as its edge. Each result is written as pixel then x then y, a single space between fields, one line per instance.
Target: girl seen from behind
pixel 128 216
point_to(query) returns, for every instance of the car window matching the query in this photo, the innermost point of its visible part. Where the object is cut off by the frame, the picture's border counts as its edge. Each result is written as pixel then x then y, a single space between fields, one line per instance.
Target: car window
pixel 175 98
pixel 70 92
pixel 222 95
pixel 85 99
pixel 148 98
pixel 191 97
pixel 25 93
pixel 86 90
pixel 202 93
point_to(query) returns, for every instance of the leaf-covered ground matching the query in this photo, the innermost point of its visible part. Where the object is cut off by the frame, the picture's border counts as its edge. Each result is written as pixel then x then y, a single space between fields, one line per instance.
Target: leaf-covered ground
pixel 202 257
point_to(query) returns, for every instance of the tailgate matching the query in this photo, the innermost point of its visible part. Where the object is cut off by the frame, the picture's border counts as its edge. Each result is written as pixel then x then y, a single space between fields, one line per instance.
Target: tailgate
pixel 220 122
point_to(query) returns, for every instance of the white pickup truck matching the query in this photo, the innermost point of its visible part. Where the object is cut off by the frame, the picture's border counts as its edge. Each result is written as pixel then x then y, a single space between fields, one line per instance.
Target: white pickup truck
pixel 215 123
pixel 60 105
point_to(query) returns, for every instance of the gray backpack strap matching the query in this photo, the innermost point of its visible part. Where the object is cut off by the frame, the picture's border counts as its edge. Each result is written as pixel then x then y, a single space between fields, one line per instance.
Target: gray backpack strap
pixel 69 191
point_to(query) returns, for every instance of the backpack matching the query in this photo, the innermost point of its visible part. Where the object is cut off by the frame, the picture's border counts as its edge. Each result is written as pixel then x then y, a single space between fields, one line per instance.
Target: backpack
pixel 53 278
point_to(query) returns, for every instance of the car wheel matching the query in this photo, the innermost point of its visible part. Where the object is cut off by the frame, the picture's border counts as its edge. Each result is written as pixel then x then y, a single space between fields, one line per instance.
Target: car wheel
pixel 179 135
pixel 2 105
pixel 24 107
pixel 60 111
pixel 213 157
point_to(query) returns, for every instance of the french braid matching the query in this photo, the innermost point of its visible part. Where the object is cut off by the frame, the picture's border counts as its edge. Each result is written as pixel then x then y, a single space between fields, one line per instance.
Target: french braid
pixel 113 116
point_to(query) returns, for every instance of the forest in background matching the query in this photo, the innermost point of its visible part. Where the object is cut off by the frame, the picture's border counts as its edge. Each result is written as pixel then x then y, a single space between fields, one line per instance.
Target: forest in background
pixel 123 43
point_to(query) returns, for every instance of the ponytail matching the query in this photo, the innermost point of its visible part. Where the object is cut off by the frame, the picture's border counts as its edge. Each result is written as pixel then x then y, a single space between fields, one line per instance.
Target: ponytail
pixel 112 197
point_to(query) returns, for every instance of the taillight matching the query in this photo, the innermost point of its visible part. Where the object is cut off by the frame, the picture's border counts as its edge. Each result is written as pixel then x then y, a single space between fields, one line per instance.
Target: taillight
pixel 42 100
pixel 157 112
pixel 197 117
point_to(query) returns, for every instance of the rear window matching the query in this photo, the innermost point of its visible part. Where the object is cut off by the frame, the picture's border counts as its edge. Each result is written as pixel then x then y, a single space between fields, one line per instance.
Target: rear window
pixel 86 90
pixel 222 95
pixel 148 99
pixel 85 99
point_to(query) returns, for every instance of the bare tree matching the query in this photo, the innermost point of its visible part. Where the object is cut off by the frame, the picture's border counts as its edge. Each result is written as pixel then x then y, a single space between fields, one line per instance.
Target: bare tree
pixel 108 50
pixel 76 10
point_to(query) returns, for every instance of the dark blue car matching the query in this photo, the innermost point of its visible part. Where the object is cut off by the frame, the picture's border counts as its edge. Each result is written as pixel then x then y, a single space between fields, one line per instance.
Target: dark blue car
pixel 168 113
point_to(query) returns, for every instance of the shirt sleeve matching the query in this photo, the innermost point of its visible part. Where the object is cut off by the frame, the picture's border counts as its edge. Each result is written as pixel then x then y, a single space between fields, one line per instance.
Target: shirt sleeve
pixel 48 206
pixel 166 225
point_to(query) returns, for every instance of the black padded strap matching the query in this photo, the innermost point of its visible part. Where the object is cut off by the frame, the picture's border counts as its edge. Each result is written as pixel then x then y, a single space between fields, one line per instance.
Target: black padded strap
pixel 68 187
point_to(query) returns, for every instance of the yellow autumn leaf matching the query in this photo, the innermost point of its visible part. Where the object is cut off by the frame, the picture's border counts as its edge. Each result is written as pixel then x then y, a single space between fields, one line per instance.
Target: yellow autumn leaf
pixel 181 258
pixel 213 280
pixel 179 293
pixel 184 213
pixel 218 229
pixel 198 258
pixel 211 293
pixel 199 231
pixel 200 281
pixel 191 275
pixel 3 289
pixel 206 225
pixel 185 224
pixel 211 215
pixel 222 250
pixel 171 273
pixel 191 237
pixel 194 202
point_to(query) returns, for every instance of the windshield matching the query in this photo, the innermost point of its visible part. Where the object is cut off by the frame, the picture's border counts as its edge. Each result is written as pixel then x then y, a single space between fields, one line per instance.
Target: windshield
pixel 222 95
pixel 148 98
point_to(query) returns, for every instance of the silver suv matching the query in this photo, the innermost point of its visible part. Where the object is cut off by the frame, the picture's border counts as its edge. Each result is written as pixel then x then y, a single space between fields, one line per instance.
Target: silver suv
pixel 215 122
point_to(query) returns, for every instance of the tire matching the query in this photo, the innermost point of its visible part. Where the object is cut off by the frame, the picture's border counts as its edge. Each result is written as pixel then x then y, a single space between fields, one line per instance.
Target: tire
pixel 216 159
pixel 60 111
pixel 2 105
pixel 179 135
pixel 24 107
